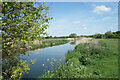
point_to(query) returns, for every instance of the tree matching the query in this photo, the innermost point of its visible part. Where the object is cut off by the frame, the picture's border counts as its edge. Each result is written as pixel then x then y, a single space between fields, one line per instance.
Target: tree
pixel 21 22
pixel 98 35
pixel 73 35
pixel 118 34
pixel 50 36
pixel 108 34
pixel 55 37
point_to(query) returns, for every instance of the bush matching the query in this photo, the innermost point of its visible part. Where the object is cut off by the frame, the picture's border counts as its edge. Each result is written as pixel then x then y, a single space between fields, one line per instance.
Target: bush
pixel 73 35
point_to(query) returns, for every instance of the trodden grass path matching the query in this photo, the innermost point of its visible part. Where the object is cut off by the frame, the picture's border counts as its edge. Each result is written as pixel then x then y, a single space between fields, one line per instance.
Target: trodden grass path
pixel 110 61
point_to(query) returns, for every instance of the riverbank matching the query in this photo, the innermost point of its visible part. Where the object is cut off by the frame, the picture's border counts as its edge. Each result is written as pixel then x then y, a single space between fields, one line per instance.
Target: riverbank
pixel 43 44
pixel 96 59
pixel 39 44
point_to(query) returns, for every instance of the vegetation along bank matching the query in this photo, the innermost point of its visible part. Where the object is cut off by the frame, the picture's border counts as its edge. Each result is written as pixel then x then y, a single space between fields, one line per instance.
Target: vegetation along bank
pixel 91 59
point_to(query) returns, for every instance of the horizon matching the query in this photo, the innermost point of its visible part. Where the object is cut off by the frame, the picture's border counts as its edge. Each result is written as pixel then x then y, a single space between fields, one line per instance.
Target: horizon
pixel 81 35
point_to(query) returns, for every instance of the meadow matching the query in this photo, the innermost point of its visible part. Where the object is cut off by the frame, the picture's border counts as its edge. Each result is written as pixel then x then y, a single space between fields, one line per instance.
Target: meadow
pixel 89 60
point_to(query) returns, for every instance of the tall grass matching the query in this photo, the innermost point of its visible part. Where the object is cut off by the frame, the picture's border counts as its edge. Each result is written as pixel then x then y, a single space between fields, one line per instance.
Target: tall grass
pixel 49 43
pixel 44 44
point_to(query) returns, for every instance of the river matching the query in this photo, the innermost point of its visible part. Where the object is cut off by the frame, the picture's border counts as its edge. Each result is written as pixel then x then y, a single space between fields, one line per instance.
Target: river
pixel 44 57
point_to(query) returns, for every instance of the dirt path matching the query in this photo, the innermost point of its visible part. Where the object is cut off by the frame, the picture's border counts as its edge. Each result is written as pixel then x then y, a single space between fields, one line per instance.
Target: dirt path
pixel 93 43
pixel 87 40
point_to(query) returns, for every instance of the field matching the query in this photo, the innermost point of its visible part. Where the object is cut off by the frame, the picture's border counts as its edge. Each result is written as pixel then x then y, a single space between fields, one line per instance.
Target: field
pixel 89 60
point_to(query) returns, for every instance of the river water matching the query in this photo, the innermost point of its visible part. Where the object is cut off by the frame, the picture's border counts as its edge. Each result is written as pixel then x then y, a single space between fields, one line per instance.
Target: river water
pixel 44 57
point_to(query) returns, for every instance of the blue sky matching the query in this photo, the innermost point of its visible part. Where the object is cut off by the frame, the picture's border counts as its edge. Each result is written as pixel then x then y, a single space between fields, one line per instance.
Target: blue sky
pixel 82 18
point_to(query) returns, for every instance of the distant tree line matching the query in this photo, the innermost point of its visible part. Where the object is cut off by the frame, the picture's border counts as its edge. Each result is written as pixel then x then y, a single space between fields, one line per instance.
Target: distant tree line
pixel 72 35
pixel 51 37
pixel 108 34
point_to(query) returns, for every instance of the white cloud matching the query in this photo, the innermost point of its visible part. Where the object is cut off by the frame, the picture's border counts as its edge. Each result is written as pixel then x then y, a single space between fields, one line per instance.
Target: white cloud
pixel 84 26
pixel 101 9
pixel 106 18
pixel 76 22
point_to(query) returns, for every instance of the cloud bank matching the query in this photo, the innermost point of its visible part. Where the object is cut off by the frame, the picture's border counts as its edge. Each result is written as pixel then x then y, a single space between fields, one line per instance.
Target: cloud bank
pixel 101 9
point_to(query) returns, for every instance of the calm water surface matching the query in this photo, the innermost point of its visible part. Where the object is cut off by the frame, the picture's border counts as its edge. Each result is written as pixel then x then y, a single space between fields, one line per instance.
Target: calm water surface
pixel 43 56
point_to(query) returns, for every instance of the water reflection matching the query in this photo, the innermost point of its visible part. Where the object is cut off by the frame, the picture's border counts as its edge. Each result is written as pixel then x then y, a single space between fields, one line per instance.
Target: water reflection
pixel 16 64
pixel 37 51
pixel 73 42
pixel 45 56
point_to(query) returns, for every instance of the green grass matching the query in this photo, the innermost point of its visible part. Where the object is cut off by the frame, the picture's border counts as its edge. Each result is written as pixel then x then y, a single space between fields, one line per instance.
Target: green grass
pixel 91 62
pixel 46 43
pixel 110 60
pixel 54 39
pixel 49 43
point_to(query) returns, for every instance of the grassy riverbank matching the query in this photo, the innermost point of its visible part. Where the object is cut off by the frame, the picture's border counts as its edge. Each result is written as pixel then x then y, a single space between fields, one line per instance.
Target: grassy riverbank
pixel 43 44
pixel 90 61
pixel 48 43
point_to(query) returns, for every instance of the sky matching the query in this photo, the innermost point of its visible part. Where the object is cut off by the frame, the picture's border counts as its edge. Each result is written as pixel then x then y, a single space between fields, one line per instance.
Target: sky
pixel 82 18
